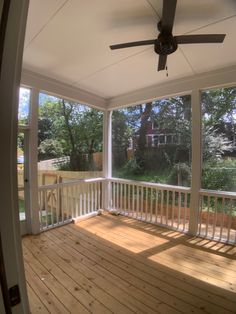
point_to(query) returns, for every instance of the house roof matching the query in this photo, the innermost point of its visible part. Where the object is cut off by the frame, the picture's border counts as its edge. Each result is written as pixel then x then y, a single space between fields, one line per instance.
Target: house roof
pixel 68 41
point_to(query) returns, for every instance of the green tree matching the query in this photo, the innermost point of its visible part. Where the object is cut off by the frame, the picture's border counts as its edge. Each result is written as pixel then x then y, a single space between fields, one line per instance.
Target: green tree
pixel 219 111
pixel 145 113
pixel 121 134
pixel 70 129
pixel 215 144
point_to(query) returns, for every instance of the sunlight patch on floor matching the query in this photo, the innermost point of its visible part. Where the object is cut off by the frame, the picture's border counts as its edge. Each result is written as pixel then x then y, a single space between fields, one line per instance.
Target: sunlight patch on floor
pixel 198 264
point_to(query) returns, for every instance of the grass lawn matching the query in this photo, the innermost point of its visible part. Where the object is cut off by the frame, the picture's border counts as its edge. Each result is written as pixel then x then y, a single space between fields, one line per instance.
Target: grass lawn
pixel 21 206
pixel 147 177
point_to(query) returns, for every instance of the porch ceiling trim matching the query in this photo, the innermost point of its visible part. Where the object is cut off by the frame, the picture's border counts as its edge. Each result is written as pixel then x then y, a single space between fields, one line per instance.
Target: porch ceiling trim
pixel 56 88
pixel 223 77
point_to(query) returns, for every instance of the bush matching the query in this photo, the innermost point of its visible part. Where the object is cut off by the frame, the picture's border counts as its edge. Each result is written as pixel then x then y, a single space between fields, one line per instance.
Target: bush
pixel 218 176
pixel 50 149
pixel 132 167
pixel 180 175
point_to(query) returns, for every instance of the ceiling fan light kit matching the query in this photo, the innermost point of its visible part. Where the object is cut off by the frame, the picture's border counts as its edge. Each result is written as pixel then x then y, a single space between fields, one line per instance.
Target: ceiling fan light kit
pixel 166 43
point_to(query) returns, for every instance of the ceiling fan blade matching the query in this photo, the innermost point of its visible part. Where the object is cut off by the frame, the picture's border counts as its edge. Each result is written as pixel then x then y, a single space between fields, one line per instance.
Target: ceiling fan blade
pixel 133 44
pixel 162 62
pixel 168 16
pixel 200 39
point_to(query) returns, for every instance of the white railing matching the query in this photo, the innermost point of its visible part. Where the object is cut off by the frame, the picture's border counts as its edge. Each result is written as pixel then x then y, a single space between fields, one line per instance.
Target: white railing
pixel 217 215
pixel 161 204
pixel 62 202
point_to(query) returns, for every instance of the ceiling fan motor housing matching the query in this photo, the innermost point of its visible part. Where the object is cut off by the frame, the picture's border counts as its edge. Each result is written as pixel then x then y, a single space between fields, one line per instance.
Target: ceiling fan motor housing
pixel 165 44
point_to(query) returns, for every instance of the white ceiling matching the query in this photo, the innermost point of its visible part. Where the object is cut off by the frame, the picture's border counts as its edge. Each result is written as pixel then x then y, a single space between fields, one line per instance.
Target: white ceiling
pixel 68 40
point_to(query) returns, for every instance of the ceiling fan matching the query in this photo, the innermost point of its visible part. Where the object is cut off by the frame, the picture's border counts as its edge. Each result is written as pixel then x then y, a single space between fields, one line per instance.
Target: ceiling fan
pixel 166 43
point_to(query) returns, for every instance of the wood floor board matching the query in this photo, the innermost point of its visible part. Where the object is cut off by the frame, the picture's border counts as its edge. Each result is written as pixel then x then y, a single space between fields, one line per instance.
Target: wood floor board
pixel 76 298
pixel 50 301
pixel 173 291
pixel 53 283
pixel 133 276
pixel 216 270
pixel 144 292
pixel 112 284
pixel 94 291
pixel 36 305
pixel 116 264
pixel 135 257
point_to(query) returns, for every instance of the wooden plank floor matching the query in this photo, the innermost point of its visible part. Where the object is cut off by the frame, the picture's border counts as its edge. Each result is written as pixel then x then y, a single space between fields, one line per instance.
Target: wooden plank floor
pixel 115 264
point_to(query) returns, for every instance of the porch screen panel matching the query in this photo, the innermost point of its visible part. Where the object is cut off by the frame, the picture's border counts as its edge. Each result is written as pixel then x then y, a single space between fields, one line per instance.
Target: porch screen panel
pixel 217 216
pixel 69 141
pixel 152 142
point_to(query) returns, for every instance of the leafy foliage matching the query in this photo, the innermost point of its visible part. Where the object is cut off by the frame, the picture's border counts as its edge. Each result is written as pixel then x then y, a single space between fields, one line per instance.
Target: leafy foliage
pixel 180 175
pixel 50 148
pixel 215 144
pixel 218 177
pixel 70 129
pixel 172 163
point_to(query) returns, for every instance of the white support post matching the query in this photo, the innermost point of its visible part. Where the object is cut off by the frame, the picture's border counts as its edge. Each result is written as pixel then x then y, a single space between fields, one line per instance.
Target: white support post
pixel 33 224
pixel 196 161
pixel 107 157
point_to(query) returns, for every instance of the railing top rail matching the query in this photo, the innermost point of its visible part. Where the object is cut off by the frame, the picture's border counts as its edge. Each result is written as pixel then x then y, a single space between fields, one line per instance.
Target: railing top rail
pixel 153 185
pixel 231 195
pixel 70 183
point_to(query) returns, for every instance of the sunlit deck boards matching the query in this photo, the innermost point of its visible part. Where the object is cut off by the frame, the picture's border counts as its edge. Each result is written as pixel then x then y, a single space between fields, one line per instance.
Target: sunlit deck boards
pixel 114 264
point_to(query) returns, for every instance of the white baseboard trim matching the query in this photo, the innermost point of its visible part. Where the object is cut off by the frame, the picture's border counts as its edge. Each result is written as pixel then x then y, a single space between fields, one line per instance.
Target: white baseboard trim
pixel 87 216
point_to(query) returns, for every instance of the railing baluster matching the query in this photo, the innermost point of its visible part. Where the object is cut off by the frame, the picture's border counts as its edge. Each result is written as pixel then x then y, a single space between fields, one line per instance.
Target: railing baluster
pixel 173 208
pixel 93 185
pixel 87 192
pixel 117 196
pixel 167 207
pixel 51 209
pixel 129 199
pixel 95 196
pixel 151 209
pixel 137 201
pixel 79 201
pixel 208 214
pixel 229 219
pixel 222 217
pixel 215 217
pixel 41 208
pixel 157 203
pixel 146 203
pixel 62 201
pixel 46 208
pixel 56 204
pixel 185 209
pixel 179 208
pixel 73 208
pixel 162 201
pixel 89 197
pixel 125 199
pixel 82 195
pixel 132 200
pixel 113 195
pixel 86 198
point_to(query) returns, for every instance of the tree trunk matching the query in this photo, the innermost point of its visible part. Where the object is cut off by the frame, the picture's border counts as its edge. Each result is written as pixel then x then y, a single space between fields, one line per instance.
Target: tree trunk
pixel 74 156
pixel 141 143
